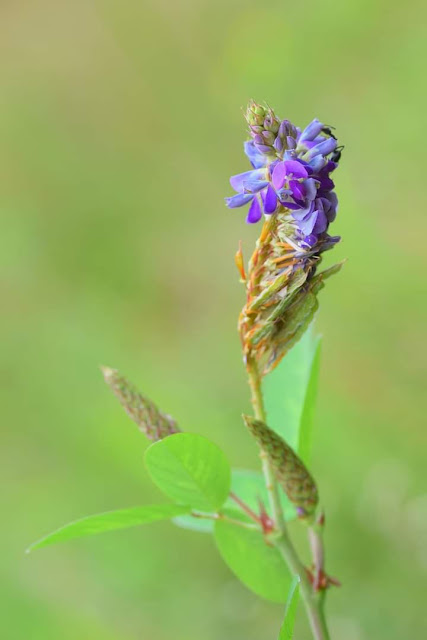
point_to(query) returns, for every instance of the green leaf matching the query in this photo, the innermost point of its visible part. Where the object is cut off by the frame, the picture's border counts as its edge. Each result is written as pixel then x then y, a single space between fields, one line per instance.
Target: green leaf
pixel 259 566
pixel 191 470
pixel 290 394
pixel 307 417
pixel 287 630
pixel 110 520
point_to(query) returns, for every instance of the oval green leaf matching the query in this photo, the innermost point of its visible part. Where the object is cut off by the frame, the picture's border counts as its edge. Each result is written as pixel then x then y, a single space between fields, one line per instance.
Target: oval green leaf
pixel 190 469
pixel 258 566
pixel 110 520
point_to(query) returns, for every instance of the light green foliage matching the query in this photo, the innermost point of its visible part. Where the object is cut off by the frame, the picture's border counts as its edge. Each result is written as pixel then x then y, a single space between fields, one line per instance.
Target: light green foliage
pixel 287 630
pixel 258 565
pixel 109 521
pixel 190 469
pixel 119 126
pixel 290 393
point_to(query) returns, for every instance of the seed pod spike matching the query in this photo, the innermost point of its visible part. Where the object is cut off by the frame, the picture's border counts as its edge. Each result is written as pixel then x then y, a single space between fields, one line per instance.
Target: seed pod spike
pixel 290 471
pixel 150 420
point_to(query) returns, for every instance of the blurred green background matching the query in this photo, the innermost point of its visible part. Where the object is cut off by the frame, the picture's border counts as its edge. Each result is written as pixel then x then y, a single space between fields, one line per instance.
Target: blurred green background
pixel 120 123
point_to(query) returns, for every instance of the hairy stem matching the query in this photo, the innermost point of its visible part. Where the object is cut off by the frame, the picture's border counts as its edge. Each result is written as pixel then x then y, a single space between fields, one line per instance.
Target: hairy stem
pixel 313 600
pixel 259 411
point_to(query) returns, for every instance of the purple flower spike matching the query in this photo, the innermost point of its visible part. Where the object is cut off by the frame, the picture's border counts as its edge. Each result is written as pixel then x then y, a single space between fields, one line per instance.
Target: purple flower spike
pixel 291 176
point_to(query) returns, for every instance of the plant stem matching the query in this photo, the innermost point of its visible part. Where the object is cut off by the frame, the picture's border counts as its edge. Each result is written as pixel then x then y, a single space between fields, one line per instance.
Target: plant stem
pixel 259 411
pixel 313 601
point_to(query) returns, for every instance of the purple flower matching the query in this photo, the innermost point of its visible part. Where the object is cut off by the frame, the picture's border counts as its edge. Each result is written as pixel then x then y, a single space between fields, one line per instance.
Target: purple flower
pixel 290 175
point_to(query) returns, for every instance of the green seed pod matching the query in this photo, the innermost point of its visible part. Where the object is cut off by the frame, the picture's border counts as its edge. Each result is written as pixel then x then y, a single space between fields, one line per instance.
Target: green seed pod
pixel 152 422
pixel 291 473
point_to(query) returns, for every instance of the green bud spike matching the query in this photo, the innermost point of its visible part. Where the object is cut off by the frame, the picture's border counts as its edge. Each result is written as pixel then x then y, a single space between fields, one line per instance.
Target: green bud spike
pixel 152 422
pixel 291 473
pixel 263 127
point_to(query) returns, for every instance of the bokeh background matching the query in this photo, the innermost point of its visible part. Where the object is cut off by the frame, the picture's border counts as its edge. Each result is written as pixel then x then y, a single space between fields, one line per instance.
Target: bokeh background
pixel 120 123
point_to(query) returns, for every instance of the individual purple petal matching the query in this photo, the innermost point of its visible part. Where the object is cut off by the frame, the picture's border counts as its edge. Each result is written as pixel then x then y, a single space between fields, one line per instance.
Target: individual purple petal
pixel 310 187
pixel 300 214
pixel 317 163
pixel 253 186
pixel 270 200
pixel 312 130
pixel 255 157
pixel 326 183
pixel 323 148
pixel 297 190
pixel 331 197
pixel 290 204
pixel 279 175
pixel 321 222
pixel 295 168
pixel 307 223
pixel 254 213
pixel 310 240
pixel 238 200
pixel 237 180
pixel 291 142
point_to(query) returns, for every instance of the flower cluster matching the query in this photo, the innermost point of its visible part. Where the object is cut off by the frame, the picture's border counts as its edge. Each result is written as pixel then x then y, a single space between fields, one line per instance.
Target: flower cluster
pixel 290 176
pixel 290 184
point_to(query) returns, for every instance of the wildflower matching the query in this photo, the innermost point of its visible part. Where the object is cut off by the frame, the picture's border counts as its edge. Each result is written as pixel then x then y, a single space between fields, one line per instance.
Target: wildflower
pixel 290 184
pixel 290 175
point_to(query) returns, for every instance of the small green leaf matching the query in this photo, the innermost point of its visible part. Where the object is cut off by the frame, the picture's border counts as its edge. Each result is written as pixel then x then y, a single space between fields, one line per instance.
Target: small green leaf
pixel 290 393
pixel 110 520
pixel 259 566
pixel 287 630
pixel 191 470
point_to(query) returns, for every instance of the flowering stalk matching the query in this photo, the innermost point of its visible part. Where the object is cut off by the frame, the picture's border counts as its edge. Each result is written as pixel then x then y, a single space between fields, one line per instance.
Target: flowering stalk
pixel 290 185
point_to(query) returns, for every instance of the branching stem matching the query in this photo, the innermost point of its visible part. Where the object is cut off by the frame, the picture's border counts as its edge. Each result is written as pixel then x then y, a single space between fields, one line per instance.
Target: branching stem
pixel 313 600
